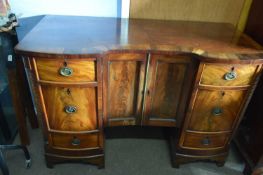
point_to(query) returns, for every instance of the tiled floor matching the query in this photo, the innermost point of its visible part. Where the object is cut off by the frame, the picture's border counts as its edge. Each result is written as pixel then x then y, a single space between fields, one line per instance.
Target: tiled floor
pixel 123 157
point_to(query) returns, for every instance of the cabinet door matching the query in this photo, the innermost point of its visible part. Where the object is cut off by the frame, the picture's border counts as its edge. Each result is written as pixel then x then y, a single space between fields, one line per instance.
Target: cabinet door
pixel 123 88
pixel 168 83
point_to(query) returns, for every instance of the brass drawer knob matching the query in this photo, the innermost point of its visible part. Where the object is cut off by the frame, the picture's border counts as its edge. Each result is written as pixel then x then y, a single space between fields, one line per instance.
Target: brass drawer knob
pixel 217 111
pixel 75 141
pixel 230 76
pixel 206 141
pixel 65 71
pixel 70 109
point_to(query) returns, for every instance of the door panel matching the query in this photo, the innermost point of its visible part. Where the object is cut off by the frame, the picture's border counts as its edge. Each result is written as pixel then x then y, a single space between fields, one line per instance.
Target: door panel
pixel 166 87
pixel 124 83
pixel 123 87
pixel 167 91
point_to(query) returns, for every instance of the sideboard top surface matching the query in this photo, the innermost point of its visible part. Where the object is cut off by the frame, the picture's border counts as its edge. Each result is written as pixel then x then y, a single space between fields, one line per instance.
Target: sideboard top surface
pixel 76 35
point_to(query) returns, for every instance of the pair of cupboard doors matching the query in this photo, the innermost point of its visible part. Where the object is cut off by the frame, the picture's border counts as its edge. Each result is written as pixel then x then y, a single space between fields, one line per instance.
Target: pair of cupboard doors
pixel 146 89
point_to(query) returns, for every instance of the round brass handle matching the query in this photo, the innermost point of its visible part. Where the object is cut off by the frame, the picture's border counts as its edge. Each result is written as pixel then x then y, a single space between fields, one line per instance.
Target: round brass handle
pixel 217 111
pixel 70 109
pixel 206 141
pixel 75 141
pixel 65 71
pixel 230 75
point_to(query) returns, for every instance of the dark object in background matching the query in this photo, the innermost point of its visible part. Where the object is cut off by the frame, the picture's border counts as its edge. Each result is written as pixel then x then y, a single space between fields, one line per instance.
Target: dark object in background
pixel 8 126
pixel 254 27
pixel 3 164
pixel 10 69
pixel 14 72
pixel 249 136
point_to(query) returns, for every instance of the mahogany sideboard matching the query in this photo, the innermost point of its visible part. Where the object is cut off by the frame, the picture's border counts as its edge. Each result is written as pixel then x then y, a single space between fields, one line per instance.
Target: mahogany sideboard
pixel 88 73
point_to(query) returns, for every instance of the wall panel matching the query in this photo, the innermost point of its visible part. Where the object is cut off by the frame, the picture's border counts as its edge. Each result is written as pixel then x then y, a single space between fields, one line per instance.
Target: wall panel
pixel 193 10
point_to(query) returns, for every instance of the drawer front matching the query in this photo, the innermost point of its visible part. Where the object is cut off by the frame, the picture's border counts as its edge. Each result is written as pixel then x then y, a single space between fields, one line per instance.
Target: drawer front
pixel 216 110
pixel 204 141
pixel 75 141
pixel 228 75
pixel 77 70
pixel 70 108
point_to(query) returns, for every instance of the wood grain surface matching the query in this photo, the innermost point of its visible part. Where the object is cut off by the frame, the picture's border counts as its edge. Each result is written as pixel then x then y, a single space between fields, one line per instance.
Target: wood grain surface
pixel 196 141
pixel 84 99
pixel 202 117
pixel 143 76
pixel 168 86
pixel 214 112
pixel 83 70
pixel 124 81
pixel 99 35
pixel 213 74
pixel 227 11
pixel 65 141
pixel 165 89
pixel 123 88
pixel 76 136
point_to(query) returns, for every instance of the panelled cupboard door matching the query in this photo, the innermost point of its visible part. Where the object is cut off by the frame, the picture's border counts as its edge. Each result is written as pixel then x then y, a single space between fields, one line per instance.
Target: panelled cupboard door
pixel 168 83
pixel 123 88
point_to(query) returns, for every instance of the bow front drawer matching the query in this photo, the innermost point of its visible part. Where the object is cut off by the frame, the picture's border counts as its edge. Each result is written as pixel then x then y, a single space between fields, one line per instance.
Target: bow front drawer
pixel 216 110
pixel 61 70
pixel 70 108
pixel 204 141
pixel 75 141
pixel 228 75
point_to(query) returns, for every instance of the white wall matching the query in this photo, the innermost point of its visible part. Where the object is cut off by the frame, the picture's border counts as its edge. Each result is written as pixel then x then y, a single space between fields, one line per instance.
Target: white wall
pixel 108 8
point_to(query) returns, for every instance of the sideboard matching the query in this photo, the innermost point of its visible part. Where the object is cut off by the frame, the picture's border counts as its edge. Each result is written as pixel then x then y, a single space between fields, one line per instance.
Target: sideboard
pixel 88 73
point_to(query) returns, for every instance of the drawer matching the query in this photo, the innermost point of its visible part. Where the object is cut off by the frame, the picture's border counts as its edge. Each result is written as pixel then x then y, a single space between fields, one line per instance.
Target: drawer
pixel 215 110
pixel 74 141
pixel 70 108
pixel 204 141
pixel 75 70
pixel 228 75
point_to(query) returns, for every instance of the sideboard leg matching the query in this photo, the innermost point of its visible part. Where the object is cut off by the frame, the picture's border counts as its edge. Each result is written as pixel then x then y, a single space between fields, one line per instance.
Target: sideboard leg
pixel 49 165
pixel 220 164
pixel 175 164
pixel 102 164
